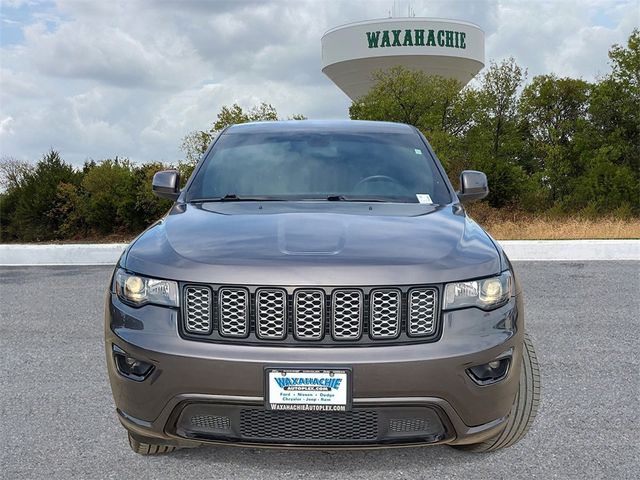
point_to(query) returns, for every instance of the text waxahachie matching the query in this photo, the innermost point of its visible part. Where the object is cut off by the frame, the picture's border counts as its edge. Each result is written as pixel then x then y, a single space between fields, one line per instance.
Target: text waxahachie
pixel 417 38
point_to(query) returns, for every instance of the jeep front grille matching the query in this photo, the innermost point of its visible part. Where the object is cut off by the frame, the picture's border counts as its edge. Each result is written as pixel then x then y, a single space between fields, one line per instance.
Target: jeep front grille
pixel 271 313
pixel 233 312
pixel 314 315
pixel 309 314
pixel 385 314
pixel 198 306
pixel 422 311
pixel 347 314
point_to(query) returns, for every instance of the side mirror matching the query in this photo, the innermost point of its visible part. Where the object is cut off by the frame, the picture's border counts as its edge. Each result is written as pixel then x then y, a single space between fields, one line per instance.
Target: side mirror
pixel 473 186
pixel 166 184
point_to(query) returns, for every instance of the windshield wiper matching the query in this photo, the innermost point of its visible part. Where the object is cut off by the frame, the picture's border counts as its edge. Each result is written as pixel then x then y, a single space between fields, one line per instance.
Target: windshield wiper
pixel 232 197
pixel 344 198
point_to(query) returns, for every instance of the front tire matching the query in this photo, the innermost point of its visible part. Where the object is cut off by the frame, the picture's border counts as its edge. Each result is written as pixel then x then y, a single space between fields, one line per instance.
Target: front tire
pixel 524 409
pixel 144 448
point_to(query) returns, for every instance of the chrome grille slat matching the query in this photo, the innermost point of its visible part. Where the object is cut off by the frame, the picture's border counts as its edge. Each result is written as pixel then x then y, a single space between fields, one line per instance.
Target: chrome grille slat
pixel 422 311
pixel 385 314
pixel 198 309
pixel 308 308
pixel 347 306
pixel 233 312
pixel 271 313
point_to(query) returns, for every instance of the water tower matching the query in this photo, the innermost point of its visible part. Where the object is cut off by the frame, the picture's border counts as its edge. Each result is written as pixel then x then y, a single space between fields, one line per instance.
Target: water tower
pixel 352 53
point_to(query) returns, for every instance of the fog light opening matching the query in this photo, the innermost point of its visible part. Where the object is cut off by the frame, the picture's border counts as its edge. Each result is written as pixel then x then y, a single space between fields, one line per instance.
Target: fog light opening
pixel 131 367
pixel 491 372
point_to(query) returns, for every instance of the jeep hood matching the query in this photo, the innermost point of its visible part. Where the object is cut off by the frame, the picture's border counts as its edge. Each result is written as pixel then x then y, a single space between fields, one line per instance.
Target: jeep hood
pixel 314 243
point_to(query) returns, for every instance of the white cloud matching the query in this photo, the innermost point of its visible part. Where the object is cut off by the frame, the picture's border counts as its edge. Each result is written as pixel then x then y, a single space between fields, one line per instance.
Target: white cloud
pixel 5 126
pixel 132 77
pixel 17 84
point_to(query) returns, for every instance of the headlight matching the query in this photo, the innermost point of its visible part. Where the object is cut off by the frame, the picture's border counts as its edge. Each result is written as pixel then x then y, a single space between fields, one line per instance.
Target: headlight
pixel 487 293
pixel 140 290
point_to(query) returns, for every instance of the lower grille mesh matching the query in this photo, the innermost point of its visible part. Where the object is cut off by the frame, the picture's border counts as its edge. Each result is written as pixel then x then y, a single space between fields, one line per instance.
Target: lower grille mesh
pixel 359 425
pixel 211 422
pixel 402 425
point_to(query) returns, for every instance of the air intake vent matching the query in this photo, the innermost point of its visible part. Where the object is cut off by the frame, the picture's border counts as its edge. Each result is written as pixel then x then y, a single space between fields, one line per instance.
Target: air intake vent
pixel 271 313
pixel 234 312
pixel 300 427
pixel 385 314
pixel 402 425
pixel 211 422
pixel 422 311
pixel 198 310
pixel 347 314
pixel 309 314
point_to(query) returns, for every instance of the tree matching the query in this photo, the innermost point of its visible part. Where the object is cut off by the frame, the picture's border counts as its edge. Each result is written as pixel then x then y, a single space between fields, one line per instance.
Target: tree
pixel 498 105
pixel 148 207
pixel 625 63
pixel 554 108
pixel 611 141
pixel 34 217
pixel 429 103
pixel 553 115
pixel 615 103
pixel 433 104
pixel 494 141
pixel 13 173
pixel 196 143
pixel 110 196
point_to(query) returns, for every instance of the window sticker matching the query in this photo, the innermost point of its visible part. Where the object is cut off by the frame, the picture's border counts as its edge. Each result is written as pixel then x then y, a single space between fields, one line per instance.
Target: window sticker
pixel 418 151
pixel 424 198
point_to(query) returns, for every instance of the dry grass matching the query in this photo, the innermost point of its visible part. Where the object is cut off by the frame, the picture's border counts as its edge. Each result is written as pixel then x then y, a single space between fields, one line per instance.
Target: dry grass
pixel 507 224
pixel 563 229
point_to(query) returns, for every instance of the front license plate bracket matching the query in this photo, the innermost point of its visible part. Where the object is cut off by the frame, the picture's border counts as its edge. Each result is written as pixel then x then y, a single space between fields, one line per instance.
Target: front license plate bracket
pixel 308 389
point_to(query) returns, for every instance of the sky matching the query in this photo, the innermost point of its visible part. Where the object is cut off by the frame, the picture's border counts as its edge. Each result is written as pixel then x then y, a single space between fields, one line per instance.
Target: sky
pixel 94 79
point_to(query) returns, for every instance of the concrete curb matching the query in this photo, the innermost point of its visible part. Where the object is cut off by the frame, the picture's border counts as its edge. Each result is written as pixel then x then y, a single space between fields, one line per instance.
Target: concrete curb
pixel 517 250
pixel 67 254
pixel 571 250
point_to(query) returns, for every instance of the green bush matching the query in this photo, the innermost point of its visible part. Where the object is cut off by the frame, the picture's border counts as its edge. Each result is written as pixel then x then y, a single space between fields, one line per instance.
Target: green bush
pixel 53 201
pixel 148 207
pixel 110 196
pixel 34 217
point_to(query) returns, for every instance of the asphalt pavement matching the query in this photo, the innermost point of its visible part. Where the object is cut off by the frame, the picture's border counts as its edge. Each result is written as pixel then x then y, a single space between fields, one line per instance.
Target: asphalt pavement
pixel 57 418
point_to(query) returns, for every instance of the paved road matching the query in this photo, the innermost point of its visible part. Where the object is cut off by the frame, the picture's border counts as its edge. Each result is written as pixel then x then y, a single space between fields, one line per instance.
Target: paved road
pixel 57 419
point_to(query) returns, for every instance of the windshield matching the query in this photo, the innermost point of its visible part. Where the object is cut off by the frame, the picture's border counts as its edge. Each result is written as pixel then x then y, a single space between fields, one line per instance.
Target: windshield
pixel 394 167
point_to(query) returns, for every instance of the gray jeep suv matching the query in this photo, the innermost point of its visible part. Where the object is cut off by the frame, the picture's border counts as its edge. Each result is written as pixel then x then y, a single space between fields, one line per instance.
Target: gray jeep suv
pixel 319 284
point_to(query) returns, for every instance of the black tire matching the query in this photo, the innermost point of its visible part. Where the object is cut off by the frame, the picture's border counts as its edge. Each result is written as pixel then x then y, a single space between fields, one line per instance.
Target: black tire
pixel 524 409
pixel 144 448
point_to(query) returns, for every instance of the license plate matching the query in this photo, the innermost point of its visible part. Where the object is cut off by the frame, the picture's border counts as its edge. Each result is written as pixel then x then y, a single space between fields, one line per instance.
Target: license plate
pixel 308 389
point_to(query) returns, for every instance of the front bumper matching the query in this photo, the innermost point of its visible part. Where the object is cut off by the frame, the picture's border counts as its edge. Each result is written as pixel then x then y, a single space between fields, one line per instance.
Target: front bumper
pixel 424 386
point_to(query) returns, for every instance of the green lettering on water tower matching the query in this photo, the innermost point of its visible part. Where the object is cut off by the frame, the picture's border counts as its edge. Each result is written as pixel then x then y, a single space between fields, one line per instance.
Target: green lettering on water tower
pixel 435 38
